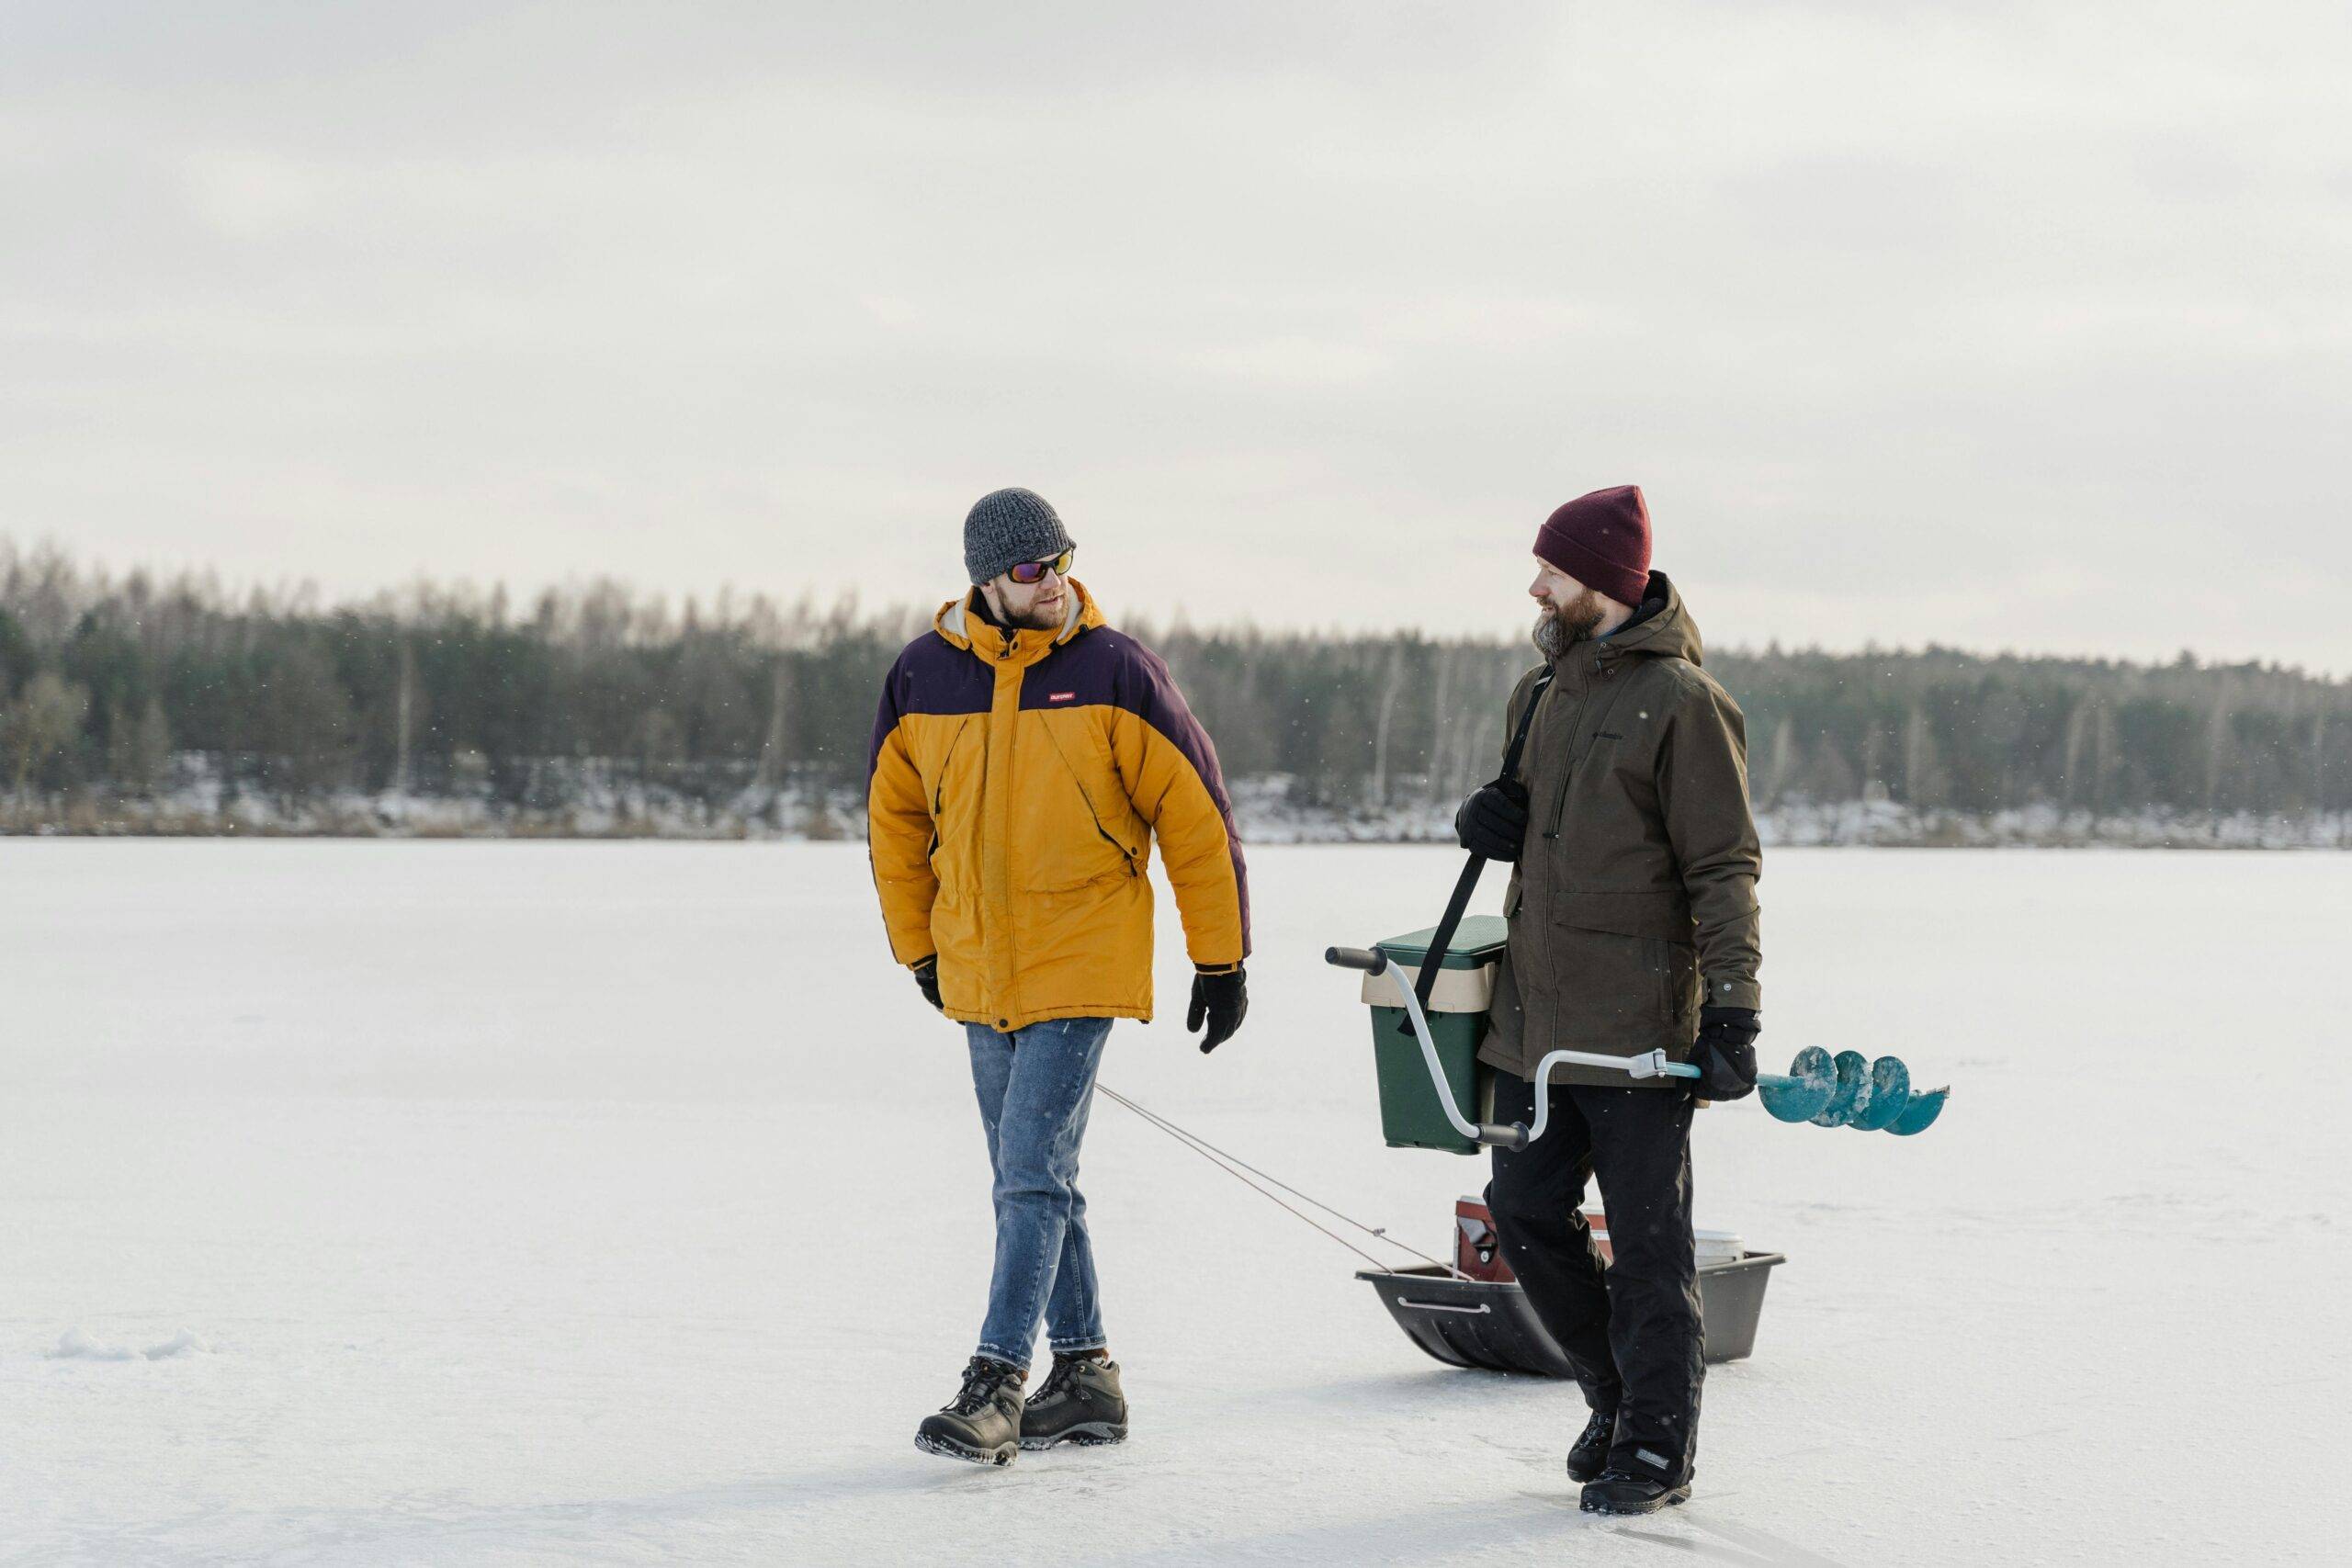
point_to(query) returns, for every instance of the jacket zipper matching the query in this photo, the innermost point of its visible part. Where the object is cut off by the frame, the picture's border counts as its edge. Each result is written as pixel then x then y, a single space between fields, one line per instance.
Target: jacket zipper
pixel 1559 808
pixel 1560 796
pixel 1550 945
pixel 1567 774
pixel 1011 954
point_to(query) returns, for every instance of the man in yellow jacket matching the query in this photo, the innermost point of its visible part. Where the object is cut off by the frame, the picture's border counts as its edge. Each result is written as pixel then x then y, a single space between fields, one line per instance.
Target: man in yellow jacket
pixel 1025 757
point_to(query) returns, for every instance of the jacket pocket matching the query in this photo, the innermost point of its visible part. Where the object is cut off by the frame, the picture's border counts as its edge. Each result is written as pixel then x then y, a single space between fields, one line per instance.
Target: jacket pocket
pixel 1682 984
pixel 1073 866
pixel 1074 847
pixel 935 785
pixel 1609 989
pixel 950 850
pixel 1662 913
pixel 955 935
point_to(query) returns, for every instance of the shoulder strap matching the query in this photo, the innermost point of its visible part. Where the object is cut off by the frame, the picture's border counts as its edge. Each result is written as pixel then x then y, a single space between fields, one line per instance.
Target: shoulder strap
pixel 1468 882
pixel 1527 717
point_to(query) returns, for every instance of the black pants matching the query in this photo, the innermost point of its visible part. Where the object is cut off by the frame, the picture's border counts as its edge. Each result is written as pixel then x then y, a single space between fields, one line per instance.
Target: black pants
pixel 1630 1329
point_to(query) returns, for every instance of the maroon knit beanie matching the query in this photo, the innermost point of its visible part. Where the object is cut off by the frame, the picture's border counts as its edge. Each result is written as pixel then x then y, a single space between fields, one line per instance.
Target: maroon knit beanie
pixel 1603 541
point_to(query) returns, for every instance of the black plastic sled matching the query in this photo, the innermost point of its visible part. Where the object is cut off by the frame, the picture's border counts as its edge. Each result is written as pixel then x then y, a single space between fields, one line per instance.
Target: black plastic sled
pixel 1487 1322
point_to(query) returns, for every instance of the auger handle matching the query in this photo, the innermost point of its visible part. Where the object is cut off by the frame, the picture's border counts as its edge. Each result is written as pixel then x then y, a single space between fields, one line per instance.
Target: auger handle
pixel 1763 1081
pixel 1647 1064
pixel 1684 1070
pixel 1492 1134
pixel 1650 1064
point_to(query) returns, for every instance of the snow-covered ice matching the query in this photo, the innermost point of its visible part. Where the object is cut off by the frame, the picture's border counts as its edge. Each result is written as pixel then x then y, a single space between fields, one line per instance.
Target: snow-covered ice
pixel 521 1202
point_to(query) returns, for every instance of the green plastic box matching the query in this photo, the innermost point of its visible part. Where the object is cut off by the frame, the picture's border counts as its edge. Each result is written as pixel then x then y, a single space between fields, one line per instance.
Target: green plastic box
pixel 1410 1117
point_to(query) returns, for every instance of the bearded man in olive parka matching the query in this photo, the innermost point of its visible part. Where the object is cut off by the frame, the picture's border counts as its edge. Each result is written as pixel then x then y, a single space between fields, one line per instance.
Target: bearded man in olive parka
pixel 1633 927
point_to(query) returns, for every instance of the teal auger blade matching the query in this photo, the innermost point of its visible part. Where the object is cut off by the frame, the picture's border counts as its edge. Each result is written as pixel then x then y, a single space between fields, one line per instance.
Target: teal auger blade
pixel 1853 1071
pixel 1890 1096
pixel 1804 1094
pixel 1921 1113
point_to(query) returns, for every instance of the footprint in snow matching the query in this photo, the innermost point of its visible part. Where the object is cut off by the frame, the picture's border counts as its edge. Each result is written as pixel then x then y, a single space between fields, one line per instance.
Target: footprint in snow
pixel 76 1345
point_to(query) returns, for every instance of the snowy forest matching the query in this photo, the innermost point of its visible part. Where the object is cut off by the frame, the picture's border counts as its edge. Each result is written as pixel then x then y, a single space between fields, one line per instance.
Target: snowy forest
pixel 134 705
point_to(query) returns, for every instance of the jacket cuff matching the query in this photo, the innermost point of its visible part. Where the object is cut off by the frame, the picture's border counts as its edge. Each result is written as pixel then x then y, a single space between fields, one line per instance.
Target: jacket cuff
pixel 1216 968
pixel 1734 991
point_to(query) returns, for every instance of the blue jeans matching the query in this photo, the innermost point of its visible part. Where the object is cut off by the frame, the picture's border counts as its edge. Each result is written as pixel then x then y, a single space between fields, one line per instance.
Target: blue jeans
pixel 1036 1086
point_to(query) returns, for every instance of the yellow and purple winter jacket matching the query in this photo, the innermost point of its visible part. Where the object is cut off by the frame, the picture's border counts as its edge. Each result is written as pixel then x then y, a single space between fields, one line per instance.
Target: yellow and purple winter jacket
pixel 1015 781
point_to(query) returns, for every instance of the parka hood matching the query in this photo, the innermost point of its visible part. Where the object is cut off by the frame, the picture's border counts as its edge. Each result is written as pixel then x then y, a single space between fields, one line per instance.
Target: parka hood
pixel 1667 632
pixel 960 624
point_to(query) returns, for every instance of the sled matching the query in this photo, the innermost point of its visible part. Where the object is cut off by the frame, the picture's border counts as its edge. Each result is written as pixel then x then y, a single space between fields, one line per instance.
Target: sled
pixel 1476 1315
pixel 1487 1325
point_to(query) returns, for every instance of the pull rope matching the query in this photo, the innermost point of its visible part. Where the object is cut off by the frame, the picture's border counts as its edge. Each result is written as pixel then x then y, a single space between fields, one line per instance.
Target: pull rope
pixel 1235 1168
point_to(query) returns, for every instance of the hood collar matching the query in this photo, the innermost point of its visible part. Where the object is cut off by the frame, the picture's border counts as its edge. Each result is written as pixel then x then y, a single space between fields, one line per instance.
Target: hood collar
pixel 959 625
pixel 1668 632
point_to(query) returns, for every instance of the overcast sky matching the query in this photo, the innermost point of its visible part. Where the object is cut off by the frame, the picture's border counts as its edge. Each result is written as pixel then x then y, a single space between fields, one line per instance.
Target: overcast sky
pixel 1998 325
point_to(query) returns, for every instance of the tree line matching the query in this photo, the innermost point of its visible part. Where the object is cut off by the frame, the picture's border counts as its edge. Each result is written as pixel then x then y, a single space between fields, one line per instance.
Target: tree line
pixel 119 691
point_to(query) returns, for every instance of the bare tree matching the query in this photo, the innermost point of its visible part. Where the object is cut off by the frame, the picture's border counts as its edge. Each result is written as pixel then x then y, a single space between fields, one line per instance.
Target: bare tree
pixel 404 719
pixel 40 724
pixel 1390 688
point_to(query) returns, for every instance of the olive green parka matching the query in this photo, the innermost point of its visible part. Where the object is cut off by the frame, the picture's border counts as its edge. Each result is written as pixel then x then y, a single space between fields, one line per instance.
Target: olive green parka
pixel 1633 899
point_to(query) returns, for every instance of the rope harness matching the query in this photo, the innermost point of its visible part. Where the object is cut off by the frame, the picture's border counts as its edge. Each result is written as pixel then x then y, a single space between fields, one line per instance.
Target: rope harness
pixel 1244 1172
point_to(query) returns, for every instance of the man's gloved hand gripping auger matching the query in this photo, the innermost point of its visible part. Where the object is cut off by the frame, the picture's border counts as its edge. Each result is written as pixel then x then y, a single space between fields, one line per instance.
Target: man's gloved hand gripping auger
pixel 1221 1000
pixel 1726 1054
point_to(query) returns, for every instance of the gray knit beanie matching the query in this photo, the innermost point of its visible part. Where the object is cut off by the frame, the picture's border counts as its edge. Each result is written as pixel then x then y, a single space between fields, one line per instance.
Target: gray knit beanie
pixel 1006 527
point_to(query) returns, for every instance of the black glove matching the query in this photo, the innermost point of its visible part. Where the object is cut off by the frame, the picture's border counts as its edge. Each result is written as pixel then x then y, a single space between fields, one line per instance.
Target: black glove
pixel 1726 1054
pixel 927 979
pixel 1224 1001
pixel 1493 822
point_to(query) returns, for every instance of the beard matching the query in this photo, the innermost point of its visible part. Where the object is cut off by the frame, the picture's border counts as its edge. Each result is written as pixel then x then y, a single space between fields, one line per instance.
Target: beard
pixel 1037 620
pixel 1571 622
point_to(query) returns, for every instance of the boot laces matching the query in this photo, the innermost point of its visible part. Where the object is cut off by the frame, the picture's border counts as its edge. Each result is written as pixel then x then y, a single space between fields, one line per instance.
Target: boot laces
pixel 981 1381
pixel 1059 1381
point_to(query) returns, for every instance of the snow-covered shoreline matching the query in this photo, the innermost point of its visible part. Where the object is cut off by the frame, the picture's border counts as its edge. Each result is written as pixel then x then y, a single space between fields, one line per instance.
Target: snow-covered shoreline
pixel 1266 810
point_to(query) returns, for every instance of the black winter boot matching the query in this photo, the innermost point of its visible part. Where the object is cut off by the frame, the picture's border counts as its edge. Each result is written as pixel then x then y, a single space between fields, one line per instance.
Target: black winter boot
pixel 1081 1402
pixel 982 1423
pixel 1589 1456
pixel 1624 1491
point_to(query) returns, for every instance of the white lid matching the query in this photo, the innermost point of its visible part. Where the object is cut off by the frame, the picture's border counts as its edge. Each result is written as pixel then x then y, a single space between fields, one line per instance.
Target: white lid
pixel 1457 990
pixel 1704 1244
pixel 1717 1245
